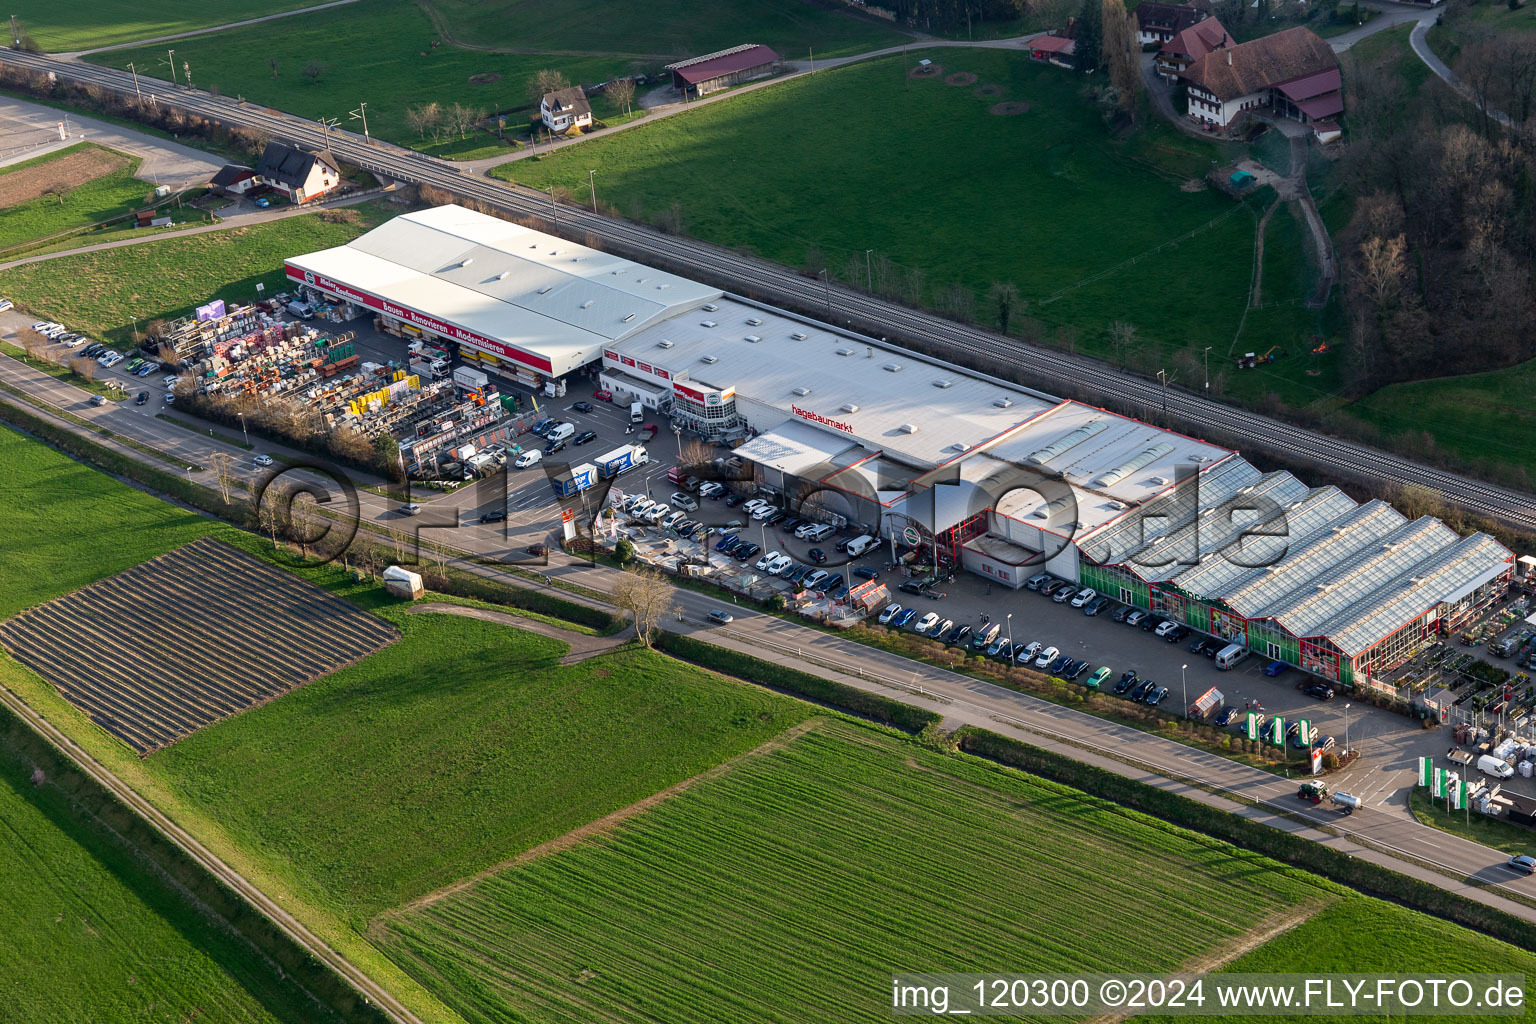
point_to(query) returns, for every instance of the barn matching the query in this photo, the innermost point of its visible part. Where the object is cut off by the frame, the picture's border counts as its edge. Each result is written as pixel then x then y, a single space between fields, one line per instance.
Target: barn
pixel 700 76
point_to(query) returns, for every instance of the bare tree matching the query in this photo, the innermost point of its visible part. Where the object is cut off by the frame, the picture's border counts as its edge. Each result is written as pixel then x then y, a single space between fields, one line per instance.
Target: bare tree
pixel 1006 295
pixel 223 470
pixel 1382 266
pixel 303 517
pixel 1121 54
pixel 269 516
pixel 694 456
pixel 86 368
pixel 545 82
pixel 35 344
pixel 648 598
pixel 1122 336
pixel 464 118
pixel 622 92
pixel 313 69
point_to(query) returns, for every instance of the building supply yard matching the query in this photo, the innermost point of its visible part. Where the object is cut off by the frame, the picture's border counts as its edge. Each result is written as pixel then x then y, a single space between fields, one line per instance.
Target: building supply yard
pixel 155 687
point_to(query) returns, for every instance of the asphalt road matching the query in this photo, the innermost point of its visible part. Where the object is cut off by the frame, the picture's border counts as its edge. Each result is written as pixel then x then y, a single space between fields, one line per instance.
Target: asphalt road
pixel 1059 371
pixel 1383 834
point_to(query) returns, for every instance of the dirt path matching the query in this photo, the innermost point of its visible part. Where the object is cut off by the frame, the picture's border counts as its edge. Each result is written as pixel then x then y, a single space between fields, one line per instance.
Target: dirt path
pixel 607 823
pixel 211 28
pixel 582 646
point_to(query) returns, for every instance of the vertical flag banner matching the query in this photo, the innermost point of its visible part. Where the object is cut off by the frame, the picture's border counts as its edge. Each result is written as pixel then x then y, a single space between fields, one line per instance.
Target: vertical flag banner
pixel 1253 727
pixel 1304 732
pixel 1458 795
pixel 1424 768
pixel 1277 732
pixel 1437 789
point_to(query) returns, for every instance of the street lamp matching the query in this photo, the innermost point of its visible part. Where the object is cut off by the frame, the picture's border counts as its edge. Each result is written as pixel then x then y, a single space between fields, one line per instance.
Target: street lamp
pixel 1207 370
pixel 1010 631
pixel 1184 685
pixel 247 433
pixel 1346 730
pixel 592 184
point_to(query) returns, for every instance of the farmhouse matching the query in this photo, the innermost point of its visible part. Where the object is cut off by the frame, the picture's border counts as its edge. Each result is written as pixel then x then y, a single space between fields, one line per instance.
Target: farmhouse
pixel 298 174
pixel 1177 54
pixel 700 76
pixel 1292 73
pixel 233 180
pixel 565 110
pixel 1054 49
pixel 1157 23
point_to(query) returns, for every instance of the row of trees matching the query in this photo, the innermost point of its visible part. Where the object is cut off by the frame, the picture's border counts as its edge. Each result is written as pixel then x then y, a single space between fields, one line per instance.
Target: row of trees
pixel 439 121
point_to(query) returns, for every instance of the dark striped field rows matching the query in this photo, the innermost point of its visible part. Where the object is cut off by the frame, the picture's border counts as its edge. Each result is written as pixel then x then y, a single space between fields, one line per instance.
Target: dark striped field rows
pixel 181 641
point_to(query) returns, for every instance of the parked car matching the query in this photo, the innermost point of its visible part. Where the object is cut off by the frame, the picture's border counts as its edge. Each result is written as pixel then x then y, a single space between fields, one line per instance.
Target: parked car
pixel 1135 618
pixel 792 524
pixel 170 399
pixel 867 574
pixel 903 617
pixel 727 542
pixel 816 555
pixel 1227 715
pixel 1165 627
pixel 1321 691
pixel 1095 606
pixel 1275 668
pixel 962 634
pixel 941 628
pixel 1030 652
pixel 745 552
pixel 553 447
pixel 915 586
pixel 585 437
pixel 1141 689
pixel 1058 665
pixel 890 612
pixel 768 559
pixel 1064 594
pixel 1047 656
pixel 1123 613
pixel 1198 644
pixel 732 500
pixel 1157 695
pixel 1176 634
pixel 1084 596
pixel 1126 681
pixel 603 396
pixel 1036 582
pixel 780 565
pixel 773 516
pixel 995 649
pixel 927 622
pixel 582 407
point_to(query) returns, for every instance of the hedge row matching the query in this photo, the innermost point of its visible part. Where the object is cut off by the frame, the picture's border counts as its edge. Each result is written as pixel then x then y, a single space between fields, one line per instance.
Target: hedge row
pixel 272 955
pixel 803 684
pixel 463 585
pixel 1252 835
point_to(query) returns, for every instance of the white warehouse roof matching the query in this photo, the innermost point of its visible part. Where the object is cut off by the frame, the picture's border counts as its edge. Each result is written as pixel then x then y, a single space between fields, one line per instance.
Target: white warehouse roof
pixel 553 303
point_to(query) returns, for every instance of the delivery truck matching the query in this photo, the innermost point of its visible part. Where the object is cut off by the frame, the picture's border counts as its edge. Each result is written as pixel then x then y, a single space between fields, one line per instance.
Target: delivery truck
pixel 613 463
pixel 573 481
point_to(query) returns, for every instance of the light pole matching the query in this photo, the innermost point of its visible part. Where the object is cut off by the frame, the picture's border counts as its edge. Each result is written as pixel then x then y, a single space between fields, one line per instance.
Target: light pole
pixel 1010 631
pixel 361 114
pixel 1184 685
pixel 172 63
pixel 1346 730
pixel 247 433
pixel 554 211
pixel 869 273
pixel 1207 371
pixel 136 92
pixel 592 184
pixel 826 284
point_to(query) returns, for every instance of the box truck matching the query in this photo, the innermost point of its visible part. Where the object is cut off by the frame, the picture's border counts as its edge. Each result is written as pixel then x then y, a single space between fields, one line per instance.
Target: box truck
pixel 613 463
pixel 573 480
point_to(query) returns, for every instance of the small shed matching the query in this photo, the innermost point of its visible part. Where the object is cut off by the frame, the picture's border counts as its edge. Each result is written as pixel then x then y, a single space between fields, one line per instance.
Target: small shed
pixel 1241 179
pixel 404 583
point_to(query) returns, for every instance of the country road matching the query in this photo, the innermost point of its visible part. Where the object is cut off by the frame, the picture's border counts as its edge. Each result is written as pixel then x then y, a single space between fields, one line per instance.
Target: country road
pixel 1062 372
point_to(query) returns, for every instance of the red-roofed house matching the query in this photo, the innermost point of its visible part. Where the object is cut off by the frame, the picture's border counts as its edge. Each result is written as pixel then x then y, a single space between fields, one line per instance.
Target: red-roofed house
pixel 1158 22
pixel 1054 49
pixel 1191 44
pixel 700 76
pixel 1294 73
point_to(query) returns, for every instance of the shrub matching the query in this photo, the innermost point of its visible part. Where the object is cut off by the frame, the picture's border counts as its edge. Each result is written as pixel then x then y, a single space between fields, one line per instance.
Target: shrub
pixel 624 551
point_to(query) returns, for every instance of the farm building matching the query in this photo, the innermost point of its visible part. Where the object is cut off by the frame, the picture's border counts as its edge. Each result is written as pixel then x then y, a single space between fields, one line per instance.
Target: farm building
pixel 1157 23
pixel 700 76
pixel 1293 74
pixel 507 296
pixel 298 174
pixel 1054 49
pixel 1178 53
pixel 565 109
pixel 233 180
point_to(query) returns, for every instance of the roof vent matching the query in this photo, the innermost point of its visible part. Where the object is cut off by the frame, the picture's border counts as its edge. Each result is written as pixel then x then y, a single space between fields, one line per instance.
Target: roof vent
pixel 545 289
pixel 629 318
pixel 617 270
pixel 909 428
pixel 960 446
pixel 706 323
pixel 467 261
pixel 802 392
pixel 577 259
pixel 1157 481
pixel 662 287
pixel 588 304
pixel 1004 403
pixel 641 280
pixel 709 359
pixel 845 351
pixel 503 275
pixel 943 383
pixel 1200 458
pixel 798 336
pixel 850 407
pixel 664 343
pixel 892 367
pixel 753 321
pixel 753 338
pixel 710 307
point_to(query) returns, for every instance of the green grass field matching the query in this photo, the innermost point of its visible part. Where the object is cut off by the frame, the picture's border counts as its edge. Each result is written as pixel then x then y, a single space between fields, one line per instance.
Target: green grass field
pixel 824 167
pixel 378 51
pixel 461 745
pixel 102 293
pixel 682 28
pixel 88 23
pixel 790 887
pixel 67 525
pixel 1366 936
pixel 88 932
pixel 112 195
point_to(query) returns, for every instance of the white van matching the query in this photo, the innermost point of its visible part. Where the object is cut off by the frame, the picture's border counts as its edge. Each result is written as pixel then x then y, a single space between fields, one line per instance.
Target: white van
pixel 531 457
pixel 560 431
pixel 1230 656
pixel 818 533
pixel 859 545
pixel 1494 766
pixel 636 412
pixel 684 502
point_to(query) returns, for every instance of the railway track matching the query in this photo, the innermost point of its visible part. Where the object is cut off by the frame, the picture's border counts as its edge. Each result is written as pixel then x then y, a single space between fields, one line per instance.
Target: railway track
pixel 962 343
